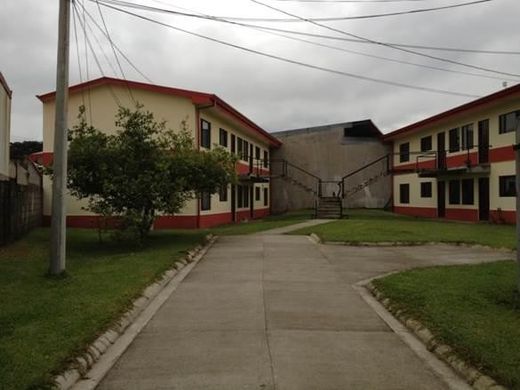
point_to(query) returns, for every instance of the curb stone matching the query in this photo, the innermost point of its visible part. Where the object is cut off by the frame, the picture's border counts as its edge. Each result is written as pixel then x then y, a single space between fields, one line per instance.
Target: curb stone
pixel 81 364
pixel 444 352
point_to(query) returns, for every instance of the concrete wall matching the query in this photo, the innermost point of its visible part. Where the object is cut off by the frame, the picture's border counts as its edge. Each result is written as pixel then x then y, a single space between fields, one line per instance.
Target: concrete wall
pixel 5 124
pixel 328 154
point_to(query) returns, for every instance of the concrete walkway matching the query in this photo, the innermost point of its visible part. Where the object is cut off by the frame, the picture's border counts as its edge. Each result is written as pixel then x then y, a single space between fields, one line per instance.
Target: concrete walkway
pixel 278 312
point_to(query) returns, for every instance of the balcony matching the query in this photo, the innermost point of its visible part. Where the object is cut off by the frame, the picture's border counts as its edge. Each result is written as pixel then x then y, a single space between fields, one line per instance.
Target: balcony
pixel 439 163
pixel 251 169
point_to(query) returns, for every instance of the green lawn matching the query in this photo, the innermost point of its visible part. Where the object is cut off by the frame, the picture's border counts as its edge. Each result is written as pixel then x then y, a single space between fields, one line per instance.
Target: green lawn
pixel 45 321
pixel 472 308
pixel 271 222
pixel 381 226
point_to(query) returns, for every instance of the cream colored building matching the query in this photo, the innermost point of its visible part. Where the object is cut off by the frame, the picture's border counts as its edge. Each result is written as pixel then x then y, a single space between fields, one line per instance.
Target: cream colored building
pixel 211 122
pixel 459 164
pixel 5 127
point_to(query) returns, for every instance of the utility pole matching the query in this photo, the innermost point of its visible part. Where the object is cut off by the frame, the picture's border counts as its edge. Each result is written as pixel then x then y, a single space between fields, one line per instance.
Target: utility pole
pixel 517 171
pixel 59 181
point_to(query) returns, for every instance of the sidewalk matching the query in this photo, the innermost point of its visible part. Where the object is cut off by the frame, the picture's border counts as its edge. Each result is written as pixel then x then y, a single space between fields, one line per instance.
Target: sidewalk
pixel 277 312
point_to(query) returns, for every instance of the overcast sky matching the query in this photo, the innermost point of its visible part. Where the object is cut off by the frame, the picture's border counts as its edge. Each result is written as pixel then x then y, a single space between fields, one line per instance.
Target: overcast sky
pixel 274 94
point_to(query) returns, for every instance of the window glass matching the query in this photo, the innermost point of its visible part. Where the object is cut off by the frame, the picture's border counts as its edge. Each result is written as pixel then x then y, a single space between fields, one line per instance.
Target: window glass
pixel 404 193
pixel 404 152
pixel 223 138
pixel 205 134
pixel 454 191
pixel 205 201
pixel 467 137
pixel 223 194
pixel 467 191
pixel 507 185
pixel 454 139
pixel 426 144
pixel 426 189
pixel 265 196
pixel 507 122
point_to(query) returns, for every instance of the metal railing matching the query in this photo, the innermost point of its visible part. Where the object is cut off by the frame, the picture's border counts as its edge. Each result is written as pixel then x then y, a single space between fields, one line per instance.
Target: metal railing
pixel 341 183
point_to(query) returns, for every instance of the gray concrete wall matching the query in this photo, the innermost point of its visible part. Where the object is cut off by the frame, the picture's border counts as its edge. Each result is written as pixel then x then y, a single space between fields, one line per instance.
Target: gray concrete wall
pixel 327 153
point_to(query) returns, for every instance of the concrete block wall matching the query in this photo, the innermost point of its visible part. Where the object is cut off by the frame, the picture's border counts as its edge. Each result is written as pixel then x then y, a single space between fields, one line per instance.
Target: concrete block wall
pixel 330 152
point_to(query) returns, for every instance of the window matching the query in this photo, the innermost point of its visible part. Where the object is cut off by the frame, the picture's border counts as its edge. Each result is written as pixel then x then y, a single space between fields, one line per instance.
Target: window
pixel 205 201
pixel 266 196
pixel 467 191
pixel 454 191
pixel 257 153
pixel 240 147
pixel 222 194
pixel 454 140
pixel 257 193
pixel 404 152
pixel 233 143
pixel 507 185
pixel 426 189
pixel 507 122
pixel 467 137
pixel 205 134
pixel 245 150
pixel 240 197
pixel 404 193
pixel 246 194
pixel 426 144
pixel 223 138
pixel 266 158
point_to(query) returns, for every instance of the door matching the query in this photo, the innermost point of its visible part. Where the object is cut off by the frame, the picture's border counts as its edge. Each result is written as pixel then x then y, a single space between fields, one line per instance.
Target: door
pixel 483 199
pixel 441 150
pixel 483 142
pixel 234 203
pixel 441 199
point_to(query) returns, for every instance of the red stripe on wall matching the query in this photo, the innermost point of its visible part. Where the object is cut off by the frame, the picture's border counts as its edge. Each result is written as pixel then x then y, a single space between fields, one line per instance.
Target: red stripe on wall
pixel 503 216
pixel 424 212
pixel 175 222
pixel 462 214
pixel 505 153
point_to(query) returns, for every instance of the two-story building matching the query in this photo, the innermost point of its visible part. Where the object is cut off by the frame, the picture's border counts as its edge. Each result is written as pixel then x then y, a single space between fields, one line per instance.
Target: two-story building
pixel 459 164
pixel 211 121
pixel 5 125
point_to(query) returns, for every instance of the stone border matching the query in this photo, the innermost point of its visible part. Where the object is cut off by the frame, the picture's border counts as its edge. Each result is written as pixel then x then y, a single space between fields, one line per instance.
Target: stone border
pixel 316 239
pixel 444 352
pixel 83 363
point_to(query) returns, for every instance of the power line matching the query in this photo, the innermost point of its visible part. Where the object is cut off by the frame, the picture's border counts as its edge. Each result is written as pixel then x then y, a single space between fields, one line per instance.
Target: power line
pixel 119 50
pixel 372 16
pixel 290 61
pixel 78 55
pixel 107 35
pixel 385 44
pixel 84 27
pixel 351 1
pixel 340 18
pixel 301 33
pixel 343 49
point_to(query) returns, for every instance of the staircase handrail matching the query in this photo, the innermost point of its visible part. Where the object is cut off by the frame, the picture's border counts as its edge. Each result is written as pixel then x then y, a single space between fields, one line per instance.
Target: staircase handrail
pixel 341 183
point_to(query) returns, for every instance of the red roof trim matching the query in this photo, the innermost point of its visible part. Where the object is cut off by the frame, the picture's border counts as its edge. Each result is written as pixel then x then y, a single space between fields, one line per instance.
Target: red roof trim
pixel 6 87
pixel 197 98
pixel 454 111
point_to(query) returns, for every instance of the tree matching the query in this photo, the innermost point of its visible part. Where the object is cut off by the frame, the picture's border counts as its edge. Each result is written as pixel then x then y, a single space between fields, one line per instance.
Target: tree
pixel 142 170
pixel 20 150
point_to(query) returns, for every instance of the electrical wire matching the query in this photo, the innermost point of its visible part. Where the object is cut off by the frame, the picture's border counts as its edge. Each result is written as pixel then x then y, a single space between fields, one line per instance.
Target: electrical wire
pixel 385 44
pixel 119 50
pixel 96 59
pixel 209 17
pixel 290 61
pixel 78 55
pixel 330 37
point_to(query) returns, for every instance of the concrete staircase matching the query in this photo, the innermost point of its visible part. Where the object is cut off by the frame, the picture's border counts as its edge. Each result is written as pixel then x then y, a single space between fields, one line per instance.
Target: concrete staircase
pixel 365 184
pixel 300 185
pixel 329 208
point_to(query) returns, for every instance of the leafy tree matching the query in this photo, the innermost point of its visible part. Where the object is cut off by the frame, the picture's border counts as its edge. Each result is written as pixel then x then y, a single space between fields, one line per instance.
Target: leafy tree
pixel 142 170
pixel 20 150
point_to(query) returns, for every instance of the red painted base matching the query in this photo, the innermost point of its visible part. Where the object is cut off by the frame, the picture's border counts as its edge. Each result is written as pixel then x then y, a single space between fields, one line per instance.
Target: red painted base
pixel 165 221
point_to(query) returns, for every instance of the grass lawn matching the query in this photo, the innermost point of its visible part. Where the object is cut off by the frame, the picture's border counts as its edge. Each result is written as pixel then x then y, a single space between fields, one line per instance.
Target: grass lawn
pixel 45 321
pixel 381 226
pixel 472 308
pixel 271 222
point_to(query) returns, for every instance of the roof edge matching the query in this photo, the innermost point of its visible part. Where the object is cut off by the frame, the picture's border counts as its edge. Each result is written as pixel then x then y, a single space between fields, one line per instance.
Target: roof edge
pixel 4 84
pixel 515 89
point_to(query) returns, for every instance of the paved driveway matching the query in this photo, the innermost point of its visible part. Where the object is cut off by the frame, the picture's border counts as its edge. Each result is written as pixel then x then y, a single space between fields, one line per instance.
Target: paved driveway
pixel 279 312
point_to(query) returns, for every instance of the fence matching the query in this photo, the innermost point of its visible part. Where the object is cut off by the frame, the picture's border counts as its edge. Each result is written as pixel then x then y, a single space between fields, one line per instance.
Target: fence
pixel 20 202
